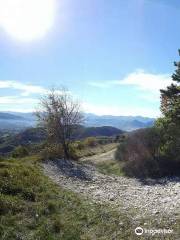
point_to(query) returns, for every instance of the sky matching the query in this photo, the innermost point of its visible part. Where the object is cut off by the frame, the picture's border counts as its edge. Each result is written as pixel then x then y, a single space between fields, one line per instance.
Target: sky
pixel 113 56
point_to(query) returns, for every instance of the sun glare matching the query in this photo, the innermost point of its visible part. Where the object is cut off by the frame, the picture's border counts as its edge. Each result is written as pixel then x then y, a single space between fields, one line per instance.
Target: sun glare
pixel 27 20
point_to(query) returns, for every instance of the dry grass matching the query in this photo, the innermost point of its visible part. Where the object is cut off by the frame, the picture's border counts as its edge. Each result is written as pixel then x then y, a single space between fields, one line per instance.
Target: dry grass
pixel 90 151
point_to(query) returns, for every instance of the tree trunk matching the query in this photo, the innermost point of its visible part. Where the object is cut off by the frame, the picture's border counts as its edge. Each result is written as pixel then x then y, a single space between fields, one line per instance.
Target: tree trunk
pixel 66 151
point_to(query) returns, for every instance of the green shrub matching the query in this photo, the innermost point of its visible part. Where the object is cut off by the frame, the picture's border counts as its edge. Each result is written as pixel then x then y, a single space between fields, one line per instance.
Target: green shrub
pixel 52 151
pixel 73 152
pixel 20 151
pixel 57 225
pixel 103 140
pixel 9 204
pixel 79 145
pixel 90 142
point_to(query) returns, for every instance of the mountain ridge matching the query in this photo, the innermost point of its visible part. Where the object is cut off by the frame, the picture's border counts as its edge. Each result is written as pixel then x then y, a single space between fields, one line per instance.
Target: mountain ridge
pixel 20 120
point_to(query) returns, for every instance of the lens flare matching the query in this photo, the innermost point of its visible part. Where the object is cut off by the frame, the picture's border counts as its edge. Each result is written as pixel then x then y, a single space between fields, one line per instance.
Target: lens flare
pixel 27 20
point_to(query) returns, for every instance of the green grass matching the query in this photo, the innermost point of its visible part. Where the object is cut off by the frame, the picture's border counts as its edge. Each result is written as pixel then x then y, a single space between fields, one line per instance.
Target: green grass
pixel 109 167
pixel 32 207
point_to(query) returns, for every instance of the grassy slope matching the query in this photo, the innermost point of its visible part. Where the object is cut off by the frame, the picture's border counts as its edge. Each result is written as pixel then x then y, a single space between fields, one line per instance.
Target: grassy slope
pixel 90 151
pixel 32 207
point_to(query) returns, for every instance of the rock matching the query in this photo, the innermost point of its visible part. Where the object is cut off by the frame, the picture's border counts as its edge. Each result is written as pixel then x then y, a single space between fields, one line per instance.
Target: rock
pixel 121 224
pixel 156 212
pixel 111 197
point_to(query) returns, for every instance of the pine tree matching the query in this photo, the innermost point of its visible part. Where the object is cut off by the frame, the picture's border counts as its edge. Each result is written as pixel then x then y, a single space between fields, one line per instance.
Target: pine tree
pixel 170 122
pixel 170 98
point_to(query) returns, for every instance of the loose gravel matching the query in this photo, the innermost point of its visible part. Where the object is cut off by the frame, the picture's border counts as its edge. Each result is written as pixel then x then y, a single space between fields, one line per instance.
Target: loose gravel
pixel 147 198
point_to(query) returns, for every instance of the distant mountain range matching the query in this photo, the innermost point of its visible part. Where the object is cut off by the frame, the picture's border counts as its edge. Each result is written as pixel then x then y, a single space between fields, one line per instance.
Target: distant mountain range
pixel 126 123
pixel 18 121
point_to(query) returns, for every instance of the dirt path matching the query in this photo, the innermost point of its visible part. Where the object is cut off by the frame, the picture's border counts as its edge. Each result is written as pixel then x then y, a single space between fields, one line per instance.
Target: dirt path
pixel 100 157
pixel 147 199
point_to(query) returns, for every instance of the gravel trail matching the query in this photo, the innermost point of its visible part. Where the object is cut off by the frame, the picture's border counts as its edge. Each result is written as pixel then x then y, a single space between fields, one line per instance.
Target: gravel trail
pixel 148 198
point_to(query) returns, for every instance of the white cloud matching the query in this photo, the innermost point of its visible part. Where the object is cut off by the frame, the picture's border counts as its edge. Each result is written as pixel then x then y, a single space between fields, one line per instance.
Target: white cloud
pixel 146 81
pixel 119 110
pixel 18 109
pixel 17 100
pixel 148 84
pixel 21 101
pixel 24 101
pixel 26 89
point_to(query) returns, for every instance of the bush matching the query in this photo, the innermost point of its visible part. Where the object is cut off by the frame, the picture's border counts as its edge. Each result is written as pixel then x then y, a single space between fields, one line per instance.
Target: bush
pixel 73 152
pixel 90 142
pixel 104 140
pixel 20 151
pixel 9 204
pixel 52 151
pixel 140 153
pixel 79 145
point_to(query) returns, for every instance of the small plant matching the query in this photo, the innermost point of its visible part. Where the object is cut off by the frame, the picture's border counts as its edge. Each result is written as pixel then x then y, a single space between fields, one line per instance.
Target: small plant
pixel 52 151
pixel 57 225
pixel 20 151
pixel 73 152
pixel 55 151
pixel 90 142
pixel 79 145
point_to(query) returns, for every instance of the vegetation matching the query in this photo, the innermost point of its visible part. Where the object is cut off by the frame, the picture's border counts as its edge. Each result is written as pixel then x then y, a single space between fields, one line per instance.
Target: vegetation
pixel 59 115
pixel 139 154
pixel 20 151
pixel 31 207
pixel 155 152
pixel 98 149
pixel 90 142
pixel 34 139
pixel 169 125
pixel 110 167
pixel 106 131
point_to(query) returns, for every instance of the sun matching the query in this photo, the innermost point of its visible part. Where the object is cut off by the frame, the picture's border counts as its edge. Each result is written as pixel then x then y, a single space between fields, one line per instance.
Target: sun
pixel 27 20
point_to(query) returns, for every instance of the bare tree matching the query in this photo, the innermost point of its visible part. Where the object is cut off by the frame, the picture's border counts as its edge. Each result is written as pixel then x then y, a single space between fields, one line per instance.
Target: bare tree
pixel 59 114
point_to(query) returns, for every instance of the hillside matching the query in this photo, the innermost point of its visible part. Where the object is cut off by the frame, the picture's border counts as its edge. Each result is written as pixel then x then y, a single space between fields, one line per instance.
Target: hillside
pixel 36 135
pixel 10 116
pixel 33 207
pixel 105 131
pixel 15 121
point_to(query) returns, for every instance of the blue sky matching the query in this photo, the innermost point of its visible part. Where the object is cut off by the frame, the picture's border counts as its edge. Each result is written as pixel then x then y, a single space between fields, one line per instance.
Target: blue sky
pixel 113 55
